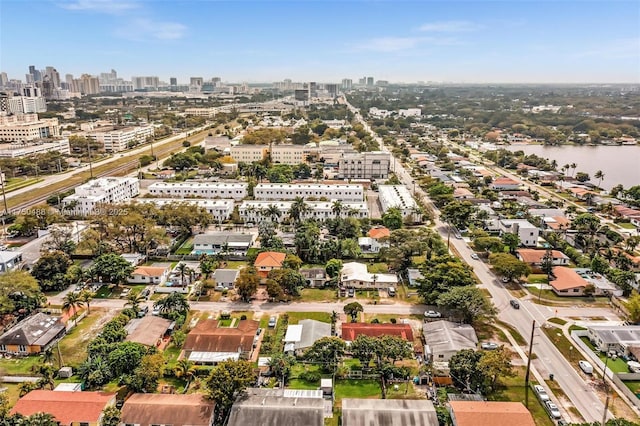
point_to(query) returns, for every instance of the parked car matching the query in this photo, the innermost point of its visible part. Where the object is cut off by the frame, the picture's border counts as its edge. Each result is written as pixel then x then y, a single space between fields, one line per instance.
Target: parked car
pixel 505 280
pixel 272 321
pixel 514 303
pixel 143 311
pixel 475 256
pixel 585 366
pixel 553 410
pixel 343 292
pixel 125 292
pixel 352 292
pixel 489 346
pixel 541 392
pixel 432 314
pixel 391 292
pixel 562 422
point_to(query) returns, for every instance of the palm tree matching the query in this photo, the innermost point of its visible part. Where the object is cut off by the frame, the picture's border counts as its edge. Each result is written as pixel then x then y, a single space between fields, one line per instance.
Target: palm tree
pixel 574 166
pixel 273 212
pixel 134 300
pixel 86 297
pixel 184 270
pixel 185 369
pixel 334 320
pixel 298 209
pixel 337 207
pixel 72 302
pixel 48 375
pixel 565 168
pixel 174 302
pixel 599 175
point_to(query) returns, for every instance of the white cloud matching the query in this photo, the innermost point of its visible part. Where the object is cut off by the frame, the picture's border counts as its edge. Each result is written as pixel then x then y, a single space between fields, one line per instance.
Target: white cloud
pixel 403 44
pixel 102 6
pixel 450 27
pixel 146 29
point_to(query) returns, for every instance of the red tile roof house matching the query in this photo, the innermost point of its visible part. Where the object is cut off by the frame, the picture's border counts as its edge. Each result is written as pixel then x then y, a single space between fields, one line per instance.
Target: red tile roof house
pixel 68 408
pixel 208 343
pixel 505 184
pixel 490 413
pixel 352 330
pixel 379 232
pixel 268 260
pixel 567 282
pixel 149 275
pixel 534 258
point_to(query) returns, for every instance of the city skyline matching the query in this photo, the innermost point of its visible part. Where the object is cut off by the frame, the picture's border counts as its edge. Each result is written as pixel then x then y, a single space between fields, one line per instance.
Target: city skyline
pixel 462 42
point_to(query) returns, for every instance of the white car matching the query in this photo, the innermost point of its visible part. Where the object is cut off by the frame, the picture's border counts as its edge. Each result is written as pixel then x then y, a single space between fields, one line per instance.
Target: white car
pixel 432 314
pixel 489 346
pixel 475 256
pixel 541 392
pixel 553 410
pixel 585 366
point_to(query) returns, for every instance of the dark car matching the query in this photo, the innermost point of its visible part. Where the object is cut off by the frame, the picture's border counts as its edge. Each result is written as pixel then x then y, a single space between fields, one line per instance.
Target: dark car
pixel 515 304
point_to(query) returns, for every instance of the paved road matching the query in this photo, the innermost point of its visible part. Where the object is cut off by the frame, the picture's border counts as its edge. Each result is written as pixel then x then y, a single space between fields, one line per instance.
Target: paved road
pixel 549 359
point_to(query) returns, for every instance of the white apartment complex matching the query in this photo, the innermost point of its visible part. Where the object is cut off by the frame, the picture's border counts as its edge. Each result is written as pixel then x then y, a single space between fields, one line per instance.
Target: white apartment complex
pixel 201 112
pixel 116 140
pixel 236 191
pixel 27 127
pixel 249 153
pixel 292 154
pixel 27 104
pixel 289 191
pixel 397 196
pixel 526 232
pixel 220 209
pixel 255 211
pixel 17 149
pixel 109 190
pixel 364 165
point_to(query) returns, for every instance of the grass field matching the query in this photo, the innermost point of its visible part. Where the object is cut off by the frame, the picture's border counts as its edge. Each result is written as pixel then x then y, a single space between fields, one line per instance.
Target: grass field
pixel 186 247
pixel 17 183
pixel 562 343
pixel 73 347
pixel 318 295
pixel 296 317
pixel 357 389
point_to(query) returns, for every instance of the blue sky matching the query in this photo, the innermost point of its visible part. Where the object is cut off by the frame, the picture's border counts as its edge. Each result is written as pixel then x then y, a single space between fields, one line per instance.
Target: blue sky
pixel 263 41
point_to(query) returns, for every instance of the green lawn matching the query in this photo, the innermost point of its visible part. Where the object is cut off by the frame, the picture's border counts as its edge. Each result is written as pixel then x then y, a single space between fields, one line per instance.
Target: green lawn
pixel 633 385
pixel 626 225
pixel 73 347
pixel 516 335
pixel 378 268
pixel 235 264
pixel 19 366
pixel 357 389
pixel 186 247
pixel 563 344
pixel 558 321
pixel 302 384
pixel 537 279
pixel 617 365
pixel 296 317
pixel 318 295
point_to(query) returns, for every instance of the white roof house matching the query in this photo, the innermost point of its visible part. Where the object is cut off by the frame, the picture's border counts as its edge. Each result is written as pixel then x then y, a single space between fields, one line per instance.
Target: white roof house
pixel 303 335
pixel 444 339
pixel 355 274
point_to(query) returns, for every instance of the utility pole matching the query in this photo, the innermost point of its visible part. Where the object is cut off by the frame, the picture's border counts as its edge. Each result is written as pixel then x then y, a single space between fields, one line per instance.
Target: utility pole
pixel 89 152
pixel 4 195
pixel 526 376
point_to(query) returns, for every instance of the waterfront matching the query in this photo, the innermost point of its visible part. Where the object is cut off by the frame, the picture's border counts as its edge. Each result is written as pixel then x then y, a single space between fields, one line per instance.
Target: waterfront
pixel 620 164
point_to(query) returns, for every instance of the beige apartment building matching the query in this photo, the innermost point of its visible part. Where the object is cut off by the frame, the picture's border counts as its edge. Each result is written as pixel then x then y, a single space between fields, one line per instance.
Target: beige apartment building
pixel 364 165
pixel 249 153
pixel 293 154
pixel 27 127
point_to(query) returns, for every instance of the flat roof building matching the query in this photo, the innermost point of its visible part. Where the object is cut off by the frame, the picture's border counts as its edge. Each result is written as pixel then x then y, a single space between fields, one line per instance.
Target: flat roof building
pixel 397 196
pixel 234 190
pixel 289 191
pixel 108 190
pixel 364 165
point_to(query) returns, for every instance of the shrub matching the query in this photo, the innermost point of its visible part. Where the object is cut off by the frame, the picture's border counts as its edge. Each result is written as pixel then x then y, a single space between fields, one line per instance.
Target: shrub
pixel 243 317
pixel 375 321
pixel 393 320
pixel 311 376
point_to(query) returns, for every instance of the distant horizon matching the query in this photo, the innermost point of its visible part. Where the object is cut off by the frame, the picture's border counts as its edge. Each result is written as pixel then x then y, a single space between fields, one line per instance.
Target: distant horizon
pixel 456 42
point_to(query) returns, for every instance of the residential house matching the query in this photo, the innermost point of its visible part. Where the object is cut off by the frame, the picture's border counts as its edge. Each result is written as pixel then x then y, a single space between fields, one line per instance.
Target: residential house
pixel 462 194
pixel 376 239
pixel 489 413
pixel 443 339
pixel 148 330
pixel 526 232
pixel 314 277
pixel 388 412
pixel 32 335
pixel 222 242
pixel 10 260
pixel 535 258
pixel 68 408
pixel 379 232
pixel 615 338
pixel 581 193
pixel 281 407
pixel 149 409
pixel 355 275
pixel 209 343
pixel 303 335
pixel 413 275
pixel 352 330
pixel 505 184
pixel 149 275
pixel 572 282
pixel 268 260
pixel 225 278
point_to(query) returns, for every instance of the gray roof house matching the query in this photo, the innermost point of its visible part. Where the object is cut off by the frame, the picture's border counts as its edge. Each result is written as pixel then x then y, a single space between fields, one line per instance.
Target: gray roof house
pixel 215 242
pixel 388 412
pixel 304 334
pixel 32 335
pixel 10 260
pixel 615 338
pixel 315 277
pixel 444 338
pixel 225 278
pixel 282 407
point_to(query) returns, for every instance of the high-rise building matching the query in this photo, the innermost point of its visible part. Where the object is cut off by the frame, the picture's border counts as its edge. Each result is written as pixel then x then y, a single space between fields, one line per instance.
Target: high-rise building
pixel 332 89
pixel 369 81
pixel 145 83
pixel 195 84
pixel 173 81
pixel 313 89
pixel 54 76
pixel 4 80
pixel 35 74
pixel 89 84
pixel 362 81
pixel 347 84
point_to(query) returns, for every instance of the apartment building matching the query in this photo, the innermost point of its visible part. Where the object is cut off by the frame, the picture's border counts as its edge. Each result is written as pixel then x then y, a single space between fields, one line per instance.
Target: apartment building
pixel 256 211
pixel 19 149
pixel 236 191
pixel 289 191
pixel 201 112
pixel 397 196
pixel 249 153
pixel 220 209
pixel 27 127
pixel 116 140
pixel 109 190
pixel 292 154
pixel 526 232
pixel 364 165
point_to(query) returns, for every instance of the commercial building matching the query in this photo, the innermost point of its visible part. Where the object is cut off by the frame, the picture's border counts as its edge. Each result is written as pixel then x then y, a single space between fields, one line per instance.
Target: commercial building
pixel 526 232
pixel 281 407
pixel 249 153
pixel 27 127
pixel 397 196
pixel 201 112
pixel 256 211
pixel 23 104
pixel 109 190
pixel 292 154
pixel 145 83
pixel 236 191
pixel 489 413
pixel 364 165
pixel 22 149
pixel 220 209
pixel 116 140
pixel 287 191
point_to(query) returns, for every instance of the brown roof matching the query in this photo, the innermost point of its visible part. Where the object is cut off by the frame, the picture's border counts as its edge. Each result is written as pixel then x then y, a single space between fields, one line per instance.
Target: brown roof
pixel 505 181
pixel 490 413
pixel 66 407
pixel 352 330
pixel 534 256
pixel 566 279
pixel 150 271
pixel 270 258
pixel 147 330
pixel 559 221
pixel 173 409
pixel 379 232
pixel 207 336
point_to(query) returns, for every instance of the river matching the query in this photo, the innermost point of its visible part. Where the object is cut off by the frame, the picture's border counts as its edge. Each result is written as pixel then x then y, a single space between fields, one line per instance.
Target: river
pixel 620 164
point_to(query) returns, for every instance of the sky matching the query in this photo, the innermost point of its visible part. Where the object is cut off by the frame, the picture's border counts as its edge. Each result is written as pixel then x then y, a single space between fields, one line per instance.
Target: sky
pixel 508 41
